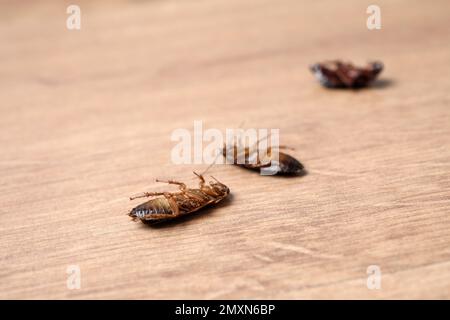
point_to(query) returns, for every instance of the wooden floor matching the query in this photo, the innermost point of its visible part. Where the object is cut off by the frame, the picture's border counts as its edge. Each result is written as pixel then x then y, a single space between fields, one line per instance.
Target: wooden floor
pixel 86 119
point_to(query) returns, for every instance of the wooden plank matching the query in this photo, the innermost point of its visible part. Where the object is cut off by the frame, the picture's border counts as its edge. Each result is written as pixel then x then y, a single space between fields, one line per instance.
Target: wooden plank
pixel 86 119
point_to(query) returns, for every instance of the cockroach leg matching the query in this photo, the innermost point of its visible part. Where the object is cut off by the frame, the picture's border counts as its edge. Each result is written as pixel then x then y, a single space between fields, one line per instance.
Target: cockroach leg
pixel 181 184
pixel 152 194
pixel 174 206
pixel 283 147
pixel 216 180
pixel 262 139
pixel 147 194
pixel 202 180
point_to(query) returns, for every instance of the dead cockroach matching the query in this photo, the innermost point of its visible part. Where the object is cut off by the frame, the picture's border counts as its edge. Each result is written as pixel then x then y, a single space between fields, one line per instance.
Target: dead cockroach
pixel 337 74
pixel 250 158
pixel 175 204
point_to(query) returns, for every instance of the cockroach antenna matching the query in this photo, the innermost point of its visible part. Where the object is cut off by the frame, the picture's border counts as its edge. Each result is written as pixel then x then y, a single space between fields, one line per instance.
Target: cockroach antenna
pixel 212 164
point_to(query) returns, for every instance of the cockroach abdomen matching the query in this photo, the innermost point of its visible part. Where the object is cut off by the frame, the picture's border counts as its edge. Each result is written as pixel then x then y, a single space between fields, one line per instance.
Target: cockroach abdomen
pixel 151 207
pixel 289 165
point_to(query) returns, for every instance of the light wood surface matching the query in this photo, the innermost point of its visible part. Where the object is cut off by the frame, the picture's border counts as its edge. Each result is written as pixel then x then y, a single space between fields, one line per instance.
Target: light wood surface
pixel 86 118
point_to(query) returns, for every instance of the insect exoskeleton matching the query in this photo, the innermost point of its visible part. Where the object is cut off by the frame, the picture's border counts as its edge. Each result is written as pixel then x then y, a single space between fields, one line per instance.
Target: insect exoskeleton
pixel 338 74
pixel 170 205
pixel 268 163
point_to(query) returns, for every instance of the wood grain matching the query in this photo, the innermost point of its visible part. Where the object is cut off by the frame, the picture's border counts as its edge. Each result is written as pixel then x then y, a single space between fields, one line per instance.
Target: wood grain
pixel 86 119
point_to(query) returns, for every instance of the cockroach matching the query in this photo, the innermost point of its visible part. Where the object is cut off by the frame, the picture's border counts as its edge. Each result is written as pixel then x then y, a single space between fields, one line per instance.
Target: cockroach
pixel 167 206
pixel 284 165
pixel 338 74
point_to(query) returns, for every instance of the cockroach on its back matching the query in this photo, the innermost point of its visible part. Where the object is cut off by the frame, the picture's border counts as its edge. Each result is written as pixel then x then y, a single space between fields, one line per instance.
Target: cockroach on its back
pixel 338 74
pixel 175 204
pixel 284 165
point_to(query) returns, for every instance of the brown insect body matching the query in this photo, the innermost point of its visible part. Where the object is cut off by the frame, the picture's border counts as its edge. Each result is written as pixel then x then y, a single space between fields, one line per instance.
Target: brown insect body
pixel 174 204
pixel 337 74
pixel 285 164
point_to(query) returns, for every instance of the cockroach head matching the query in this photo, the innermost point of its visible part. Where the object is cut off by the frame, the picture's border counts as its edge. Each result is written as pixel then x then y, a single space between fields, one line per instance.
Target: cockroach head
pixel 219 187
pixel 377 67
